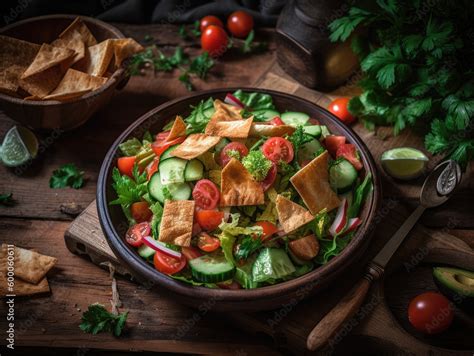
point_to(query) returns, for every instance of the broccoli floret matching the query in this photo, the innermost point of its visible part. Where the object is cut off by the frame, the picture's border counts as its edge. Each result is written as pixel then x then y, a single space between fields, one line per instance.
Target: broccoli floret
pixel 233 154
pixel 257 165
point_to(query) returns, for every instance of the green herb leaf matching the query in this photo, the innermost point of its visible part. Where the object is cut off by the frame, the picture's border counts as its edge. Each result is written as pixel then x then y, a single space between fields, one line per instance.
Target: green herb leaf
pixel 247 246
pixel 97 319
pixel 7 199
pixel 201 65
pixel 67 175
pixel 186 80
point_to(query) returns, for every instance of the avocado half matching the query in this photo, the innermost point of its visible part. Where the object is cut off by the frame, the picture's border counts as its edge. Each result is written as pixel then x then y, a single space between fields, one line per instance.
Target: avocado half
pixel 458 285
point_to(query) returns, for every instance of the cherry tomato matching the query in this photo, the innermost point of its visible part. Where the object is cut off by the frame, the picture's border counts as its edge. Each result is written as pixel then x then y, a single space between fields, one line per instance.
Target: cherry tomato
pixel 206 195
pixel 136 233
pixel 339 108
pixel 349 152
pixel 209 219
pixel 235 146
pixel 240 23
pixel 125 165
pixel 278 149
pixel 231 286
pixel 268 228
pixel 210 20
pixel 276 121
pixel 270 178
pixel 190 253
pixel 161 146
pixel 214 40
pixel 152 167
pixel 208 243
pixel 333 142
pixel 430 313
pixel 141 211
pixel 167 264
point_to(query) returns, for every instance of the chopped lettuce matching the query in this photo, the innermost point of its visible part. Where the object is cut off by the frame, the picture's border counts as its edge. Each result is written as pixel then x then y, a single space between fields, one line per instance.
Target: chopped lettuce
pixel 361 192
pixel 270 213
pixel 320 224
pixel 157 211
pixel 328 248
pixel 272 264
pixel 227 241
pixel 243 275
pixel 255 101
pixel 199 117
pixel 130 147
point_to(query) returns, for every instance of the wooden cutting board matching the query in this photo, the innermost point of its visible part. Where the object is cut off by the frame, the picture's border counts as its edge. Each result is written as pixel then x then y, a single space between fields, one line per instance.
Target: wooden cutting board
pixel 382 323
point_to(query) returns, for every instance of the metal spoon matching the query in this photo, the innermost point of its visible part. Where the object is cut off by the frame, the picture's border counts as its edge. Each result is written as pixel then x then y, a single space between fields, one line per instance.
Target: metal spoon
pixel 436 190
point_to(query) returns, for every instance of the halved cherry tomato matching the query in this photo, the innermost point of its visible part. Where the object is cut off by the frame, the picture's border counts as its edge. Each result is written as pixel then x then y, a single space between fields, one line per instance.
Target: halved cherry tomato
pixel 339 108
pixel 234 146
pixel 125 165
pixel 167 264
pixel 161 146
pixel 231 286
pixel 349 152
pixel 190 252
pixel 209 219
pixel 276 121
pixel 141 211
pixel 240 23
pixel 206 195
pixel 136 233
pixel 152 167
pixel 430 313
pixel 210 20
pixel 268 228
pixel 208 243
pixel 333 142
pixel 270 178
pixel 278 149
pixel 214 40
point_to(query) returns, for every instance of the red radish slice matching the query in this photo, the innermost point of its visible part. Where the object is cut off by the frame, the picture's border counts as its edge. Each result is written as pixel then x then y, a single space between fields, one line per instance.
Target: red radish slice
pixel 341 219
pixel 158 246
pixel 352 225
pixel 232 100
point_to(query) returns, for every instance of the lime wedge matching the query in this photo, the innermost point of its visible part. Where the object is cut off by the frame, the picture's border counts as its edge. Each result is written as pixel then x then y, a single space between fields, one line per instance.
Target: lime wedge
pixel 19 146
pixel 404 162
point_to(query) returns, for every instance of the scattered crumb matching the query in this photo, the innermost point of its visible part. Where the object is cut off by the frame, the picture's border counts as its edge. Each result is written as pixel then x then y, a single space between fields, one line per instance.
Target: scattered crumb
pixel 78 309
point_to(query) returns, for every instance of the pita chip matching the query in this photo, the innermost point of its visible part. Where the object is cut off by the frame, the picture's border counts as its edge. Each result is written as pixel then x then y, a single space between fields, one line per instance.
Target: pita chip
pixel 79 26
pixel 124 48
pixel 22 288
pixel 195 145
pixel 74 42
pixel 43 83
pixel 238 187
pixel 226 112
pixel 230 129
pixel 312 184
pixel 178 129
pixel 97 59
pixel 177 222
pixel 48 56
pixel 291 215
pixel 259 129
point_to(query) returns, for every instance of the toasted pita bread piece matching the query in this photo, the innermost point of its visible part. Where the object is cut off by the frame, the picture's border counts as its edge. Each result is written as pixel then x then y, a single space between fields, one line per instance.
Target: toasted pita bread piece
pixel 97 59
pixel 291 215
pixel 124 48
pixel 177 222
pixel 79 26
pixel 230 129
pixel 22 288
pixel 312 184
pixel 226 112
pixel 48 56
pixel 72 41
pixel 43 83
pixel 259 129
pixel 178 129
pixel 75 84
pixel 238 187
pixel 195 145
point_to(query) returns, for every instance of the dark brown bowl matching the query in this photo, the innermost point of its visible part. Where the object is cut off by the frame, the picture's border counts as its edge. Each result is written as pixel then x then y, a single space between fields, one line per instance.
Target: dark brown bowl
pixel 53 114
pixel 114 224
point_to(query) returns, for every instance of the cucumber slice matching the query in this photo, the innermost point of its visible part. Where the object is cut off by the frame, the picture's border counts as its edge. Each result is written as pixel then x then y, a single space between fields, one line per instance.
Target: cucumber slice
pixel 194 170
pixel 324 131
pixel 342 176
pixel 167 153
pixel 265 114
pixel 211 269
pixel 294 118
pixel 313 130
pixel 172 170
pixel 309 150
pixel 160 192
pixel 146 251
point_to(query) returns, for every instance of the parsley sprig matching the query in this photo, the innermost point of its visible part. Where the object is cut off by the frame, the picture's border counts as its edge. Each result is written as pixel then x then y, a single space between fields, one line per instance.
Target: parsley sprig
pixel 247 246
pixel 67 175
pixel 97 319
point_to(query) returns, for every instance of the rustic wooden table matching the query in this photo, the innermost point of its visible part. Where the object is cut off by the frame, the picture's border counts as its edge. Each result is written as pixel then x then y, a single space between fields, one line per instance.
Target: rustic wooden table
pixel 37 220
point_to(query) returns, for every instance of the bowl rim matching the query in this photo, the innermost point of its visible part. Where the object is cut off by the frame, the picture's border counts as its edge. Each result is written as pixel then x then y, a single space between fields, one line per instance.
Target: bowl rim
pixel 146 271
pixel 112 81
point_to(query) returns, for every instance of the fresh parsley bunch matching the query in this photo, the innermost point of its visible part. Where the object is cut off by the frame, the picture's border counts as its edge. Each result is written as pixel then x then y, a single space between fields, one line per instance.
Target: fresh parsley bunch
pixel 417 61
pixel 68 175
pixel 97 319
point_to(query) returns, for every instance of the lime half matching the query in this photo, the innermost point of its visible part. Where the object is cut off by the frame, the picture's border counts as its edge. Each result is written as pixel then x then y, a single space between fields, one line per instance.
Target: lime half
pixel 404 162
pixel 19 146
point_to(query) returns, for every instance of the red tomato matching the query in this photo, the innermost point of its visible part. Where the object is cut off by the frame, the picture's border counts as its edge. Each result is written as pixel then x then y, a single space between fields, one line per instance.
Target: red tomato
pixel 206 194
pixel 208 243
pixel 231 286
pixel 268 228
pixel 339 108
pixel 349 152
pixel 333 142
pixel 270 178
pixel 161 146
pixel 276 121
pixel 125 165
pixel 190 253
pixel 209 219
pixel 235 146
pixel 162 136
pixel 278 149
pixel 167 264
pixel 136 233
pixel 152 167
pixel 240 23
pixel 430 313
pixel 141 211
pixel 214 40
pixel 210 20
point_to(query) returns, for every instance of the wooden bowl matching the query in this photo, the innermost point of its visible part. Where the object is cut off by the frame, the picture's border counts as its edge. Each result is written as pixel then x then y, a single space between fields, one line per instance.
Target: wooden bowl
pixel 114 223
pixel 54 114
